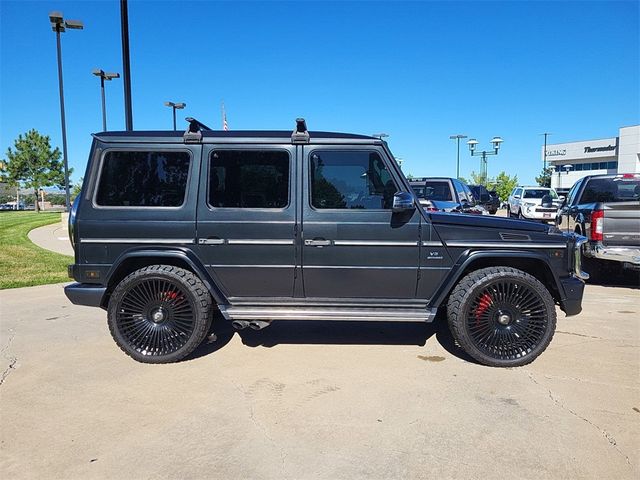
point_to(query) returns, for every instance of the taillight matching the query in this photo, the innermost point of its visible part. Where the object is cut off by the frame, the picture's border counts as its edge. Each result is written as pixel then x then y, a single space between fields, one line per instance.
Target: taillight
pixel 597 225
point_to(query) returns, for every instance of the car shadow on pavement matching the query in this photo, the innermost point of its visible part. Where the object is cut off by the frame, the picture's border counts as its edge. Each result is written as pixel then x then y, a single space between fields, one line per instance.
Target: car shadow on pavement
pixel 298 332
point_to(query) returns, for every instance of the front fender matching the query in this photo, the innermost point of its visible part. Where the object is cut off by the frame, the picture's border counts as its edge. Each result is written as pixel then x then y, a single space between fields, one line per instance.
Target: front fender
pixel 469 257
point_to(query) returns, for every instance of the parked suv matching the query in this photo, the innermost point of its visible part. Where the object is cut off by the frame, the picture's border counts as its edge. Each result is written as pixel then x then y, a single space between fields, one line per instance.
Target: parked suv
pixel 266 226
pixel 527 202
pixel 446 195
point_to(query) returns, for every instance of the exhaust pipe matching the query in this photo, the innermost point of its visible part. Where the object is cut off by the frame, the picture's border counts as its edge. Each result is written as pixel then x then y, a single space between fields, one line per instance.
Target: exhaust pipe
pixel 239 324
pixel 259 324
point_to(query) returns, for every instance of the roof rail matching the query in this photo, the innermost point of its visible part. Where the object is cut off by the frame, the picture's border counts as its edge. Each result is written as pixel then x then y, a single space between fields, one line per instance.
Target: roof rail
pixel 193 133
pixel 300 134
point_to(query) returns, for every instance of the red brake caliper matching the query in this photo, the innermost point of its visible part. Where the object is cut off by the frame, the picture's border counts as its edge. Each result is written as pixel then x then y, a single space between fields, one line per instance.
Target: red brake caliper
pixel 484 303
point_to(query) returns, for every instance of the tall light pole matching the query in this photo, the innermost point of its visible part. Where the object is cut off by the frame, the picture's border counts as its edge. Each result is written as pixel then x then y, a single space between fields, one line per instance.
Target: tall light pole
pixel 175 106
pixel 104 76
pixel 495 141
pixel 59 25
pixel 544 153
pixel 457 138
pixel 126 64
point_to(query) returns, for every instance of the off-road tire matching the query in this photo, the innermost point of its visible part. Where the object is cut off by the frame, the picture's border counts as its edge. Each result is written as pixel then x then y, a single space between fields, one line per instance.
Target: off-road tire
pixel 483 297
pixel 178 295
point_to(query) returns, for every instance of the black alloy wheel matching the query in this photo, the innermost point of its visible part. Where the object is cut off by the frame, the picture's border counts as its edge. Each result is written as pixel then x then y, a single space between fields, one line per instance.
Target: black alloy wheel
pixel 502 316
pixel 159 314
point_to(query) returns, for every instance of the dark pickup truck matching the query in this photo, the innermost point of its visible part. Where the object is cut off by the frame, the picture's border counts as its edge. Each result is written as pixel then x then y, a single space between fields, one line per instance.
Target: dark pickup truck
pixel 606 210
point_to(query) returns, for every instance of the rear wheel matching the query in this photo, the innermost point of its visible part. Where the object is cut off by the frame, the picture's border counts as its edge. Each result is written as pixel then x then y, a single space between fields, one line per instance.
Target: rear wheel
pixel 520 215
pixel 159 314
pixel 502 316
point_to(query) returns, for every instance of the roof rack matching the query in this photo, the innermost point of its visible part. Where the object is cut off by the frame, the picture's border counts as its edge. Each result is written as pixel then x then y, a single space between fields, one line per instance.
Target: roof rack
pixel 193 134
pixel 300 134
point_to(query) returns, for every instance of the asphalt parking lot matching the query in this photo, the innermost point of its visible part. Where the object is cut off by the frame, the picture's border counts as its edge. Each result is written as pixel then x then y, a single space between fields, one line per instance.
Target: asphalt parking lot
pixel 316 400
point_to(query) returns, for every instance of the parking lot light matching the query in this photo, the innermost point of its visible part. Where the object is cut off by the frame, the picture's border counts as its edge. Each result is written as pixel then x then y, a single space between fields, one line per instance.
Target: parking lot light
pixel 58 25
pixel 473 143
pixel 104 76
pixel 175 106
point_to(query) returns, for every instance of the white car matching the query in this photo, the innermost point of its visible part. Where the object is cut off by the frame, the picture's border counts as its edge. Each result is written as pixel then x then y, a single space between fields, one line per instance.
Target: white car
pixel 526 202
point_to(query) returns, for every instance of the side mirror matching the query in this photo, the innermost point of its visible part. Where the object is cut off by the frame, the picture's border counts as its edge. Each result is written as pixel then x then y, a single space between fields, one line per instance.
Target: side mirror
pixel 561 198
pixel 547 202
pixel 403 201
pixel 516 196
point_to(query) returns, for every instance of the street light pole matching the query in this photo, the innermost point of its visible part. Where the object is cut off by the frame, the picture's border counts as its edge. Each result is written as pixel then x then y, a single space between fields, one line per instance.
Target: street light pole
pixel 458 138
pixel 104 76
pixel 126 64
pixel 495 141
pixel 58 25
pixel 544 154
pixel 175 106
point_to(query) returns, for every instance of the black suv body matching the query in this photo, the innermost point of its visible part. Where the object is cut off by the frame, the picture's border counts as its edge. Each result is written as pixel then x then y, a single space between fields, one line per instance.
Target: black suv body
pixel 273 225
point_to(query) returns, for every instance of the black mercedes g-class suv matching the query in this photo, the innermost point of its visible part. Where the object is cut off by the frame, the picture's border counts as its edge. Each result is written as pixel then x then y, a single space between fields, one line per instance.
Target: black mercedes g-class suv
pixel 274 225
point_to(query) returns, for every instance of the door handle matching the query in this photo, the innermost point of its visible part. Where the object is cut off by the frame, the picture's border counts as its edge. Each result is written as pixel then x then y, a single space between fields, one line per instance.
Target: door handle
pixel 318 242
pixel 212 241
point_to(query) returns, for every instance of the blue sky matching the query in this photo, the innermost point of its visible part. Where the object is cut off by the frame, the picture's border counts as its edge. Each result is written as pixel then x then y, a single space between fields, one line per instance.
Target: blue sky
pixel 419 71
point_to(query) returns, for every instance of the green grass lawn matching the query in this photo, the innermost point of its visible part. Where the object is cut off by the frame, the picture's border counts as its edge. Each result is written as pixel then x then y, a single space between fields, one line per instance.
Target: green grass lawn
pixel 23 264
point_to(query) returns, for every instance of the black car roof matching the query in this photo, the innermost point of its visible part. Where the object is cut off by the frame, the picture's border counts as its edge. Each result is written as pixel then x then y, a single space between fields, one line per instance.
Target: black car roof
pixel 172 136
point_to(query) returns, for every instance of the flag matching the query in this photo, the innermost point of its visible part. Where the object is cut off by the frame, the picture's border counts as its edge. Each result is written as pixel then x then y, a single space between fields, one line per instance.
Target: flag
pixel 225 126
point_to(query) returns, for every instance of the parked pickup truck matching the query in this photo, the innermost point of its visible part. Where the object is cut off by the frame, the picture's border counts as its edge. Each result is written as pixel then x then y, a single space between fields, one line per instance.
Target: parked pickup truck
pixel 606 210
pixel 444 194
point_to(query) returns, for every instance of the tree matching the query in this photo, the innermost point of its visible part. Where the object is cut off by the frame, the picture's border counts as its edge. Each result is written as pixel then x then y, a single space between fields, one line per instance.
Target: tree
pixel 77 188
pixel 479 179
pixel 544 179
pixel 504 184
pixel 33 164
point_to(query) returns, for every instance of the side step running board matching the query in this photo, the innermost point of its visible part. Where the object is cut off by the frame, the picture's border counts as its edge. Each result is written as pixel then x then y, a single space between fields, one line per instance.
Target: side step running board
pixel 326 313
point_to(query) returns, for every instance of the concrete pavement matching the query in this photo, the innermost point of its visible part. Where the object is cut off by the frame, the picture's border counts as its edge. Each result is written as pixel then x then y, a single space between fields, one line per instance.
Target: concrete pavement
pixel 54 237
pixel 316 400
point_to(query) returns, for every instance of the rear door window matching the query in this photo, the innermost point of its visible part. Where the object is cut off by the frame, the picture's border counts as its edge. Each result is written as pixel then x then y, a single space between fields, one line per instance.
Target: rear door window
pixel 143 179
pixel 249 179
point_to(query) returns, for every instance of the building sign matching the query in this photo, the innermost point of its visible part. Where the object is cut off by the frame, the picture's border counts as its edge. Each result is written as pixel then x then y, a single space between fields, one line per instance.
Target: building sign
pixel 605 149
pixel 557 152
pixel 608 148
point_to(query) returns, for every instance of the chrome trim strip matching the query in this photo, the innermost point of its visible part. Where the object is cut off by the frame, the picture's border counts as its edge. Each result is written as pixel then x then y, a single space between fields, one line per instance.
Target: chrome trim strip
pixel 506 245
pixel 182 241
pixel 258 241
pixel 372 243
pixel 249 266
pixel 353 267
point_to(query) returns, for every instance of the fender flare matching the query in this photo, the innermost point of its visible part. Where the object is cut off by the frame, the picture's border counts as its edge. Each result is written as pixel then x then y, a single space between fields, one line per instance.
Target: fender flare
pixel 183 254
pixel 468 257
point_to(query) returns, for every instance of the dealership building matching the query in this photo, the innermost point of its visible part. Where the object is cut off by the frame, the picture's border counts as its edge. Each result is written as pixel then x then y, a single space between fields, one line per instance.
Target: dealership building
pixel 574 160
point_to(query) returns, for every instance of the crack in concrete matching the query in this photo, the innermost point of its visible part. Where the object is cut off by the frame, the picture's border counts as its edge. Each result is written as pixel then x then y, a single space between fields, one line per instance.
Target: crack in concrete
pixel 12 360
pixel 610 438
pixel 580 335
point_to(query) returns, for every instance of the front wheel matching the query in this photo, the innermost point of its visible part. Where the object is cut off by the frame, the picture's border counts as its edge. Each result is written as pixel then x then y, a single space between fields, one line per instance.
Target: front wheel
pixel 159 314
pixel 501 316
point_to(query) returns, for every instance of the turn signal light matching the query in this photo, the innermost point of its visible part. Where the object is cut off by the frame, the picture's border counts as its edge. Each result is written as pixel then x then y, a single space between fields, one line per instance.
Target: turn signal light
pixel 597 224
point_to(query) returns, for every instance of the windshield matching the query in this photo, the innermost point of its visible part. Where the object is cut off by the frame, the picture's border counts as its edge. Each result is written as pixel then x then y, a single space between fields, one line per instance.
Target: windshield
pixel 539 193
pixel 611 190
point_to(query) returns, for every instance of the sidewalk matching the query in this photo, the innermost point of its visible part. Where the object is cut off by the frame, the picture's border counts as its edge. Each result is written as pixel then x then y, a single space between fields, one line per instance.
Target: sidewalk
pixel 53 237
